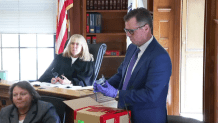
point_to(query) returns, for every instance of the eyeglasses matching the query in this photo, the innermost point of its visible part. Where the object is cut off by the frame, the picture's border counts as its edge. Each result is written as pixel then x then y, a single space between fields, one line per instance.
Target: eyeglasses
pixel 131 31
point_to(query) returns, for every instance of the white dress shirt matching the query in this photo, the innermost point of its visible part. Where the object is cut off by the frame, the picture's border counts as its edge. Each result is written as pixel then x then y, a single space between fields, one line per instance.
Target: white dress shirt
pixel 21 121
pixel 73 59
pixel 142 50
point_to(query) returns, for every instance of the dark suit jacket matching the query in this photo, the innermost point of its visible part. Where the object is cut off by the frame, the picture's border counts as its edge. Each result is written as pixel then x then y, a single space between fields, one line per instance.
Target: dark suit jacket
pixel 79 73
pixel 40 112
pixel 147 89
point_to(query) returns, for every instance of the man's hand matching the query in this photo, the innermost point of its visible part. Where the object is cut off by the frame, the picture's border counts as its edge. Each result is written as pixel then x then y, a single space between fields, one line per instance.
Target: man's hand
pixel 106 89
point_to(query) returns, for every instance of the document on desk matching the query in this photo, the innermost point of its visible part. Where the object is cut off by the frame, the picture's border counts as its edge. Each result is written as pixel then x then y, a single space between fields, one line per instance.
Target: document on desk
pixel 58 85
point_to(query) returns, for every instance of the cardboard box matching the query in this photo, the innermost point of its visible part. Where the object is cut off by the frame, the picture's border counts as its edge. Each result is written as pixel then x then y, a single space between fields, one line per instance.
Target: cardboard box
pixel 87 110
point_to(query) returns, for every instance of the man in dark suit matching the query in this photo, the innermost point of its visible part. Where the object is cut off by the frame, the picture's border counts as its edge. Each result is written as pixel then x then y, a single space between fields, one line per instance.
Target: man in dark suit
pixel 142 80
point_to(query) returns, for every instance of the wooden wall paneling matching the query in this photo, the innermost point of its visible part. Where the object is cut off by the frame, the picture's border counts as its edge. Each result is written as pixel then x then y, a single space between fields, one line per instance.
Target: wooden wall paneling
pixel 113 42
pixel 4 102
pixel 106 68
pixel 150 5
pixel 176 56
pixel 111 22
pixel 83 18
pixel 75 20
pixel 210 63
pixel 166 30
pixel 112 35
pixel 216 64
pixel 4 97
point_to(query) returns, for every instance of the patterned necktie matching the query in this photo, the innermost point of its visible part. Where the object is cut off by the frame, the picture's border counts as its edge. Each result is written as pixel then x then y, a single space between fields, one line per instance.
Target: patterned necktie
pixel 129 70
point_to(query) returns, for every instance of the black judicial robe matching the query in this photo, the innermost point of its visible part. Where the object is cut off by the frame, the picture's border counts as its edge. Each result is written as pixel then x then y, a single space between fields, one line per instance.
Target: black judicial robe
pixel 80 73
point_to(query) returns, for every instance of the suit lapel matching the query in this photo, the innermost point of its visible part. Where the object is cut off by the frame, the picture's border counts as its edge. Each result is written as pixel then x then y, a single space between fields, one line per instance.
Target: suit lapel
pixel 14 116
pixel 31 113
pixel 144 58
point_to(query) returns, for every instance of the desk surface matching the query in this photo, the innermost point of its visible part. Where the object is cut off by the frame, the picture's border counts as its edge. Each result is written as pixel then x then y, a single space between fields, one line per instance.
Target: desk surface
pixel 65 93
pixel 58 92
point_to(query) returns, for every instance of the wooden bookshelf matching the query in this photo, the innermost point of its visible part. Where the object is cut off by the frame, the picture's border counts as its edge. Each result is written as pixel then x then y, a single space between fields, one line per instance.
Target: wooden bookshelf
pixel 112 32
pixel 112 35
pixel 109 11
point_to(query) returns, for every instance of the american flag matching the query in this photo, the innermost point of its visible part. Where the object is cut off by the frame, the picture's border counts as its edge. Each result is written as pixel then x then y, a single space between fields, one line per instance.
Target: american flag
pixel 61 33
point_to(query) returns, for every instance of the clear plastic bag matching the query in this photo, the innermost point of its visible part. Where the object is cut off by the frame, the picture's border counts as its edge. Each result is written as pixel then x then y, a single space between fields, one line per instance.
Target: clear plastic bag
pixel 101 81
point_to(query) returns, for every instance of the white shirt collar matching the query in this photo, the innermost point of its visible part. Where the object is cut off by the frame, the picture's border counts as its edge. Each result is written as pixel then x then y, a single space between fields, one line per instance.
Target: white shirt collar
pixel 142 50
pixel 145 45
pixel 73 59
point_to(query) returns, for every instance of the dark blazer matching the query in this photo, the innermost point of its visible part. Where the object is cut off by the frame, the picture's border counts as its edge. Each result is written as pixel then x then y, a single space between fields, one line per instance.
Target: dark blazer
pixel 40 112
pixel 79 73
pixel 147 89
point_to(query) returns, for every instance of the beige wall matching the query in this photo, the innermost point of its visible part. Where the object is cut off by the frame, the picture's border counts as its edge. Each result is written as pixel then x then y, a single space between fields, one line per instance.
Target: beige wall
pixel 145 3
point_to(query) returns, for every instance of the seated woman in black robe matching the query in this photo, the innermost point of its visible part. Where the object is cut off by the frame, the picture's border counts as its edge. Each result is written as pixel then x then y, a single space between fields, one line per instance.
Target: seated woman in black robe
pixel 74 66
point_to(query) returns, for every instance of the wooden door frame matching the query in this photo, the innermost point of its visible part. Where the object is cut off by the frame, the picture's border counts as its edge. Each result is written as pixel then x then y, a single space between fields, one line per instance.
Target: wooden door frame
pixel 176 57
pixel 75 20
pixel 210 81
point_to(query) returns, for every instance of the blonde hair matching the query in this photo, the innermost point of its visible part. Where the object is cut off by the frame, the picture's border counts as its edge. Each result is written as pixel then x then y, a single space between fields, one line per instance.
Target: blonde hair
pixel 84 55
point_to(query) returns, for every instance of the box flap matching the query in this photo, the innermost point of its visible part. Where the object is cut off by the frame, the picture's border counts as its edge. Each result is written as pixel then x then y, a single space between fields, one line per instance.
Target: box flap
pixel 81 102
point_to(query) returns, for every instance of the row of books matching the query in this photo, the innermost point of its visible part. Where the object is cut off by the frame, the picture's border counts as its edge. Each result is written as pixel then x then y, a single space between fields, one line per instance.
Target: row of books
pixel 93 22
pixel 106 4
pixel 112 53
pixel 91 39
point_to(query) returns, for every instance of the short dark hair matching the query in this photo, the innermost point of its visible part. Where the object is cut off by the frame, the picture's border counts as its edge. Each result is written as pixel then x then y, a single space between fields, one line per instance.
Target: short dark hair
pixel 142 16
pixel 24 85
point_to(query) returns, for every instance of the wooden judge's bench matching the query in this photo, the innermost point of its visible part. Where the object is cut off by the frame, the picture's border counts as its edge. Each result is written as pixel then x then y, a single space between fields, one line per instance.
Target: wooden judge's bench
pixel 57 92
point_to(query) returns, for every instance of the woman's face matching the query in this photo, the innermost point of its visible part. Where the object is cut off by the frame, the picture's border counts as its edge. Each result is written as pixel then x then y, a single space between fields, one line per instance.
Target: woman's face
pixel 76 49
pixel 21 98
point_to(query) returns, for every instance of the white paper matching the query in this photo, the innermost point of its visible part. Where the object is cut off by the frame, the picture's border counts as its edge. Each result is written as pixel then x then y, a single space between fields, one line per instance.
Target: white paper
pixel 58 85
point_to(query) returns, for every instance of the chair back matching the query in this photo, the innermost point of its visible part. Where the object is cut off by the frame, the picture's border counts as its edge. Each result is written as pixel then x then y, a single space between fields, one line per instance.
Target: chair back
pixel 59 105
pixel 98 51
pixel 181 119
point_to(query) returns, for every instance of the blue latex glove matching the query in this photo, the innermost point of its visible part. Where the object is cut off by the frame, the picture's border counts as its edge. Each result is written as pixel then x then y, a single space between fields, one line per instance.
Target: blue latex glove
pixel 106 89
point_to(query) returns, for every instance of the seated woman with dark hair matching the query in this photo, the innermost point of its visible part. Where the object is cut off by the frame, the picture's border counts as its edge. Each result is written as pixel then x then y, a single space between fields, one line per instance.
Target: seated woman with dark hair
pixel 26 106
pixel 74 66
